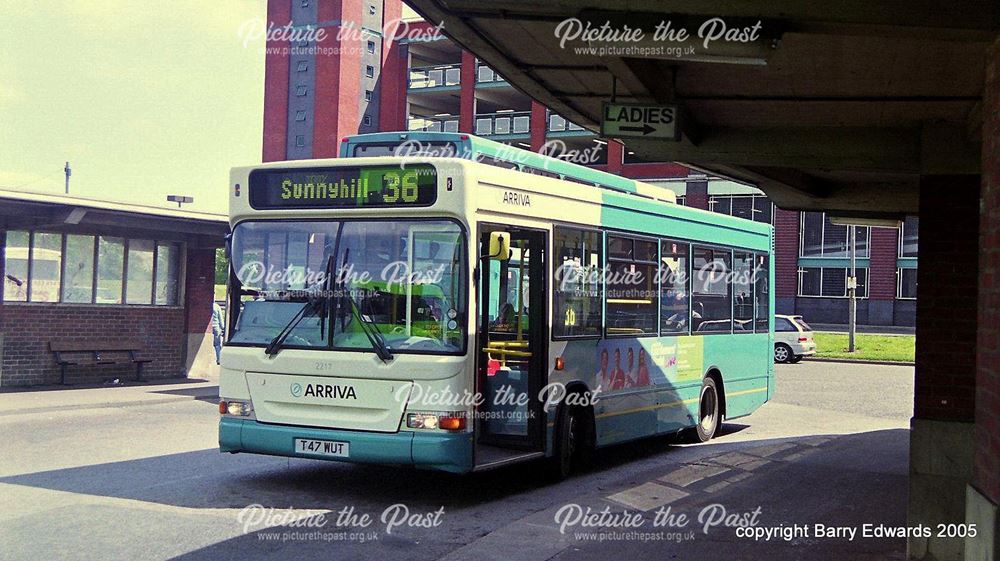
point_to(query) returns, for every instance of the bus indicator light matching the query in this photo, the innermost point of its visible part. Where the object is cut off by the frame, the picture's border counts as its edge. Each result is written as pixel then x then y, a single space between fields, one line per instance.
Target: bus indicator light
pixel 560 363
pixel 452 423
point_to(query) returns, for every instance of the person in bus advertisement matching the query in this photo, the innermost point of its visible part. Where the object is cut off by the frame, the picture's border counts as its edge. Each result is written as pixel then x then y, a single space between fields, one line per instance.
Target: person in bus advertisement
pixel 643 367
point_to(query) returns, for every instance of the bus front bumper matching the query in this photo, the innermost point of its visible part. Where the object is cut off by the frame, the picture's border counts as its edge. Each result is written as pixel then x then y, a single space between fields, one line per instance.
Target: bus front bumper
pixel 442 451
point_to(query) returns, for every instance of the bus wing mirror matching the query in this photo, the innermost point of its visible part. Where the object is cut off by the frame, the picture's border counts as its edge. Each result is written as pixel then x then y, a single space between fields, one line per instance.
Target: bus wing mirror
pixel 499 246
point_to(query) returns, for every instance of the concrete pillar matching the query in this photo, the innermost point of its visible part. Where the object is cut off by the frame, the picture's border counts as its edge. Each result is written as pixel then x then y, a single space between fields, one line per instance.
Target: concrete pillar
pixel 786 260
pixel 467 94
pixel 983 494
pixel 945 384
pixel 882 275
pixel 539 124
pixel 199 293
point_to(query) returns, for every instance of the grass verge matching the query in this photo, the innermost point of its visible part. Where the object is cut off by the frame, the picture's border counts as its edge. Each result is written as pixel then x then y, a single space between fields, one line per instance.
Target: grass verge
pixel 892 348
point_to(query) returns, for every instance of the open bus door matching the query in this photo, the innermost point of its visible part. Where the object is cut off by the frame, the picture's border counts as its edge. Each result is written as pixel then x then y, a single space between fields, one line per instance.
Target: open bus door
pixel 511 344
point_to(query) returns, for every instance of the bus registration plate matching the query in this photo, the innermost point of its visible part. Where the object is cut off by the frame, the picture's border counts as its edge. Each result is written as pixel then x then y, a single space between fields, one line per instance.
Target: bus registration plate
pixel 322 447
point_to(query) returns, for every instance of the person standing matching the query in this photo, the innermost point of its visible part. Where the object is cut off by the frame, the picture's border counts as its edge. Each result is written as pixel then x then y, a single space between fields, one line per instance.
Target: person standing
pixel 217 330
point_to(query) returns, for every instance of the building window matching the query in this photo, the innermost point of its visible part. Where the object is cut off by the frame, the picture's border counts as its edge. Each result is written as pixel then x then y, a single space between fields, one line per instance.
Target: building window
pixel 908 235
pixel 301 91
pixel 53 267
pixel 16 266
pixel 300 141
pixel 681 199
pixel 78 278
pixel 370 71
pixel 577 282
pixel 830 282
pixel 751 207
pixel 632 290
pixel 675 296
pixel 110 270
pixel 45 268
pixel 367 120
pixel 303 66
pixel 907 288
pixel 819 237
pixel 712 291
pixel 368 95
pixel 371 9
pixel 371 47
pixel 139 278
pixel 300 115
pixel 167 274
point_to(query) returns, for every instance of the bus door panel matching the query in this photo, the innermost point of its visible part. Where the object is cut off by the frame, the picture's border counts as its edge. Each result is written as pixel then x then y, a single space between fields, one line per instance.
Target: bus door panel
pixel 511 341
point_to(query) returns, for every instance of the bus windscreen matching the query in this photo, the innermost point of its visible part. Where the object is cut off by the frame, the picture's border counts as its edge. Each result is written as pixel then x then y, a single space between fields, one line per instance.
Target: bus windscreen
pixel 343 187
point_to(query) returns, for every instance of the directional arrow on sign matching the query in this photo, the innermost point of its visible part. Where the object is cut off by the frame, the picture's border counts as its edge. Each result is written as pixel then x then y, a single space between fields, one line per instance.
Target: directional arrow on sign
pixel 644 129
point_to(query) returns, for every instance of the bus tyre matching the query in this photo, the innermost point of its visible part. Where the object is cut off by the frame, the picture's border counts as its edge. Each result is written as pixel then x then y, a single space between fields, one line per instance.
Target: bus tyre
pixel 564 443
pixel 783 353
pixel 708 412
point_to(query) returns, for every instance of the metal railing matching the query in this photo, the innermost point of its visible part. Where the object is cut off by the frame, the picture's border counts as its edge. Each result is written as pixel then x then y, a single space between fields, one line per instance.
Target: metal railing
pixel 485 74
pixel 432 125
pixel 558 123
pixel 434 76
pixel 514 122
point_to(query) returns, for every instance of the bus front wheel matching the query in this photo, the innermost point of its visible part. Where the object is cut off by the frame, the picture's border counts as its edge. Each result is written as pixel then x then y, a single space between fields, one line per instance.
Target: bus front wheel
pixel 573 441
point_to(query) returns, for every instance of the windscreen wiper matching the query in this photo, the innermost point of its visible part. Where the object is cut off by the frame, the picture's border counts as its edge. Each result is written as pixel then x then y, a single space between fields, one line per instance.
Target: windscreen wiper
pixel 274 346
pixel 312 304
pixel 371 331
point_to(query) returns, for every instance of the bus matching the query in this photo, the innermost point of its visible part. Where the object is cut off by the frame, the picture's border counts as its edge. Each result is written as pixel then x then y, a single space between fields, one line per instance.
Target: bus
pixel 448 314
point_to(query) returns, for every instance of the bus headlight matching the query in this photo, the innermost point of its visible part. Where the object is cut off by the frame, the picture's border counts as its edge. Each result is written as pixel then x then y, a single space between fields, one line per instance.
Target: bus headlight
pixel 236 408
pixel 433 421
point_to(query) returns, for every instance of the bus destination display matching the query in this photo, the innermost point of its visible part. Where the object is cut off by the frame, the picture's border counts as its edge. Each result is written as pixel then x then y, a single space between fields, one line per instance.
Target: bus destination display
pixel 343 187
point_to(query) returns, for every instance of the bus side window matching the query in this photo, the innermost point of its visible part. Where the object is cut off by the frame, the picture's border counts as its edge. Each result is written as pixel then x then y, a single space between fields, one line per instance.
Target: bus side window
pixel 761 292
pixel 712 291
pixel 675 295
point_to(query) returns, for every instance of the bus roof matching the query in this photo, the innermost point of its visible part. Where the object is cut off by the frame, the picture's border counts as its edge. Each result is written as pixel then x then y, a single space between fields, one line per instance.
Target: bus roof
pixel 472 147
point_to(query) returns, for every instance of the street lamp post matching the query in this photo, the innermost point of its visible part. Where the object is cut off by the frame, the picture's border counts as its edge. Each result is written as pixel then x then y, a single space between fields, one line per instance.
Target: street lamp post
pixel 180 199
pixel 852 291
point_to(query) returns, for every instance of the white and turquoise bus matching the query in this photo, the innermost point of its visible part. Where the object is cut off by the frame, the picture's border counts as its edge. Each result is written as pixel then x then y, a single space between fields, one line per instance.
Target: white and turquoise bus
pixel 449 314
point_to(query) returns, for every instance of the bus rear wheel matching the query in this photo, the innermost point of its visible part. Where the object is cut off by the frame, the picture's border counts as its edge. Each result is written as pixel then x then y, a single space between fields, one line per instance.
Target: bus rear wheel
pixel 708 412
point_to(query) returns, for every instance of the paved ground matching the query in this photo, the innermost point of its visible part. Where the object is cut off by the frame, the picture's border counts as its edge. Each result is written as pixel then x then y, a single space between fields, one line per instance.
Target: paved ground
pixel 145 481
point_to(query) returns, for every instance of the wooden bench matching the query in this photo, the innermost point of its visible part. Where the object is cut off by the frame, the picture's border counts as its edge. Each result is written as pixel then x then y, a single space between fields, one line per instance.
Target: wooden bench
pixel 72 353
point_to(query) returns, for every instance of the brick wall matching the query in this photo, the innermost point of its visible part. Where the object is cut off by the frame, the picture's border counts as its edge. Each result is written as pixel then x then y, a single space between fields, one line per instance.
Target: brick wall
pixel 986 471
pixel 27 329
pixel 945 382
pixel 786 253
pixel 199 289
pixel 882 267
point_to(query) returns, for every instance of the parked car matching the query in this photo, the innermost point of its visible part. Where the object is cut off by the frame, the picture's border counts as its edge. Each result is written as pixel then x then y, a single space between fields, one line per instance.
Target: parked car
pixel 793 339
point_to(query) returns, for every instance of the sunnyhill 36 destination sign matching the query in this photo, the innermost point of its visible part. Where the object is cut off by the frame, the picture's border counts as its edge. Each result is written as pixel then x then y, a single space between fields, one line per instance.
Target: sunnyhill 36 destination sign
pixel 354 187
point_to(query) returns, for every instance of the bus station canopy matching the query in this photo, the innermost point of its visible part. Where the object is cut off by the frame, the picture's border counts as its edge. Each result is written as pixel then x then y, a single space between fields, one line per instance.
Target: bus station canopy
pixel 837 106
